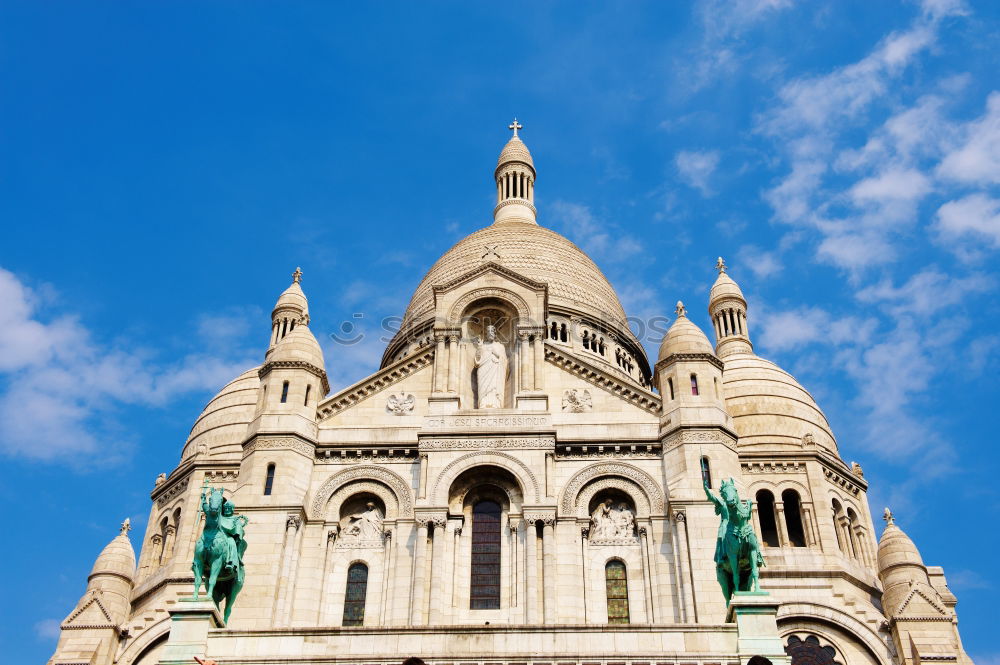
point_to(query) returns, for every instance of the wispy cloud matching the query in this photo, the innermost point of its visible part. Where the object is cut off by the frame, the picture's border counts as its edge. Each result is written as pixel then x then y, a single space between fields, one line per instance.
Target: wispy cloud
pixel 62 386
pixel 695 167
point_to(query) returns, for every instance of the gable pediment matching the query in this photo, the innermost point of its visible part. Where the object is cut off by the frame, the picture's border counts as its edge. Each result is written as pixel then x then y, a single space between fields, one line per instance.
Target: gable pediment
pixel 920 603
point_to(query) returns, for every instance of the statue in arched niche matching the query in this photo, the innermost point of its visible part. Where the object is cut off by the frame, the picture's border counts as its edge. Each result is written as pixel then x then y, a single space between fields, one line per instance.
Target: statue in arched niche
pixel 491 370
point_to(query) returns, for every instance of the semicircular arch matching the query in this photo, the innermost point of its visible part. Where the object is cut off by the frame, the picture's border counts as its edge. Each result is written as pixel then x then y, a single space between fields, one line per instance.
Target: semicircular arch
pixel 654 495
pixel 366 472
pixel 520 471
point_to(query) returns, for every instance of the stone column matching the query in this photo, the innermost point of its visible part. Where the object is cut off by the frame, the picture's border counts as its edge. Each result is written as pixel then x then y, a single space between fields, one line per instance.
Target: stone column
pixel 845 531
pixel 383 606
pixel 331 539
pixel 292 524
pixel 647 575
pixel 438 570
pixel 810 525
pixel 531 570
pixel 539 358
pixel 513 567
pixel 549 572
pixel 684 569
pixel 440 365
pixel 454 358
pixel 422 488
pixel 168 542
pixel 419 565
pixel 451 575
pixel 401 589
pixel 779 517
pixel 156 551
pixel 585 569
pixel 523 354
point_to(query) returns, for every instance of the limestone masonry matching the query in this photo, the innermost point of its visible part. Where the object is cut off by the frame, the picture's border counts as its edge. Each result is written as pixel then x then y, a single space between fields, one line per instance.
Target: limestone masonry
pixel 517 485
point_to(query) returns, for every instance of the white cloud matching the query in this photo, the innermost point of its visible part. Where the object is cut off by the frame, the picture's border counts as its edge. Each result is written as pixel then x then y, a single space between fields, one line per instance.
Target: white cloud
pixel 696 167
pixel 926 293
pixel 47 629
pixel 762 263
pixel 975 218
pixel 977 159
pixel 62 387
pixel 600 239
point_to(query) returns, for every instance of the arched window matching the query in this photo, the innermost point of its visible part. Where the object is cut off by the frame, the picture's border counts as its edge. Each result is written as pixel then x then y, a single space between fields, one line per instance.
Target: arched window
pixel 308 390
pixel 269 480
pixel 284 392
pixel 586 340
pixel 617 584
pixel 793 518
pixel 485 584
pixel 554 332
pixel 706 472
pixel 161 556
pixel 765 513
pixel 354 598
pixel 809 651
pixel 670 385
pixel 562 333
pixel 852 519
pixel 694 384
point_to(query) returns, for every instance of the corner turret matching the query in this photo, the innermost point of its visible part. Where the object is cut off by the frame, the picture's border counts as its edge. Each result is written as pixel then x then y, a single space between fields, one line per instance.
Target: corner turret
pixel 921 613
pixel 91 632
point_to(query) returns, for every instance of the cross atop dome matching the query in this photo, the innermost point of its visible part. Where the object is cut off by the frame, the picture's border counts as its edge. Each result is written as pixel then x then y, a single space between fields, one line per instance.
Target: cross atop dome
pixel 720 265
pixel 126 526
pixel 515 126
pixel 889 518
pixel 297 276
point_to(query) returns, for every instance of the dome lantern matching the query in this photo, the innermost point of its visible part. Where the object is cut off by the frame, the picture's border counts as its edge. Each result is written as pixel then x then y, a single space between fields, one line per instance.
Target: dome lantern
pixel 515 181
pixel 728 309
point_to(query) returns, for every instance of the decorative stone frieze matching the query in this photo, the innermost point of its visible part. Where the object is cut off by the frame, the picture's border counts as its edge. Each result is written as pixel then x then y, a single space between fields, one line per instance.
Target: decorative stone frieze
pixel 495 458
pixel 773 466
pixel 169 492
pixel 649 486
pixel 491 443
pixel 400 487
pixel 280 443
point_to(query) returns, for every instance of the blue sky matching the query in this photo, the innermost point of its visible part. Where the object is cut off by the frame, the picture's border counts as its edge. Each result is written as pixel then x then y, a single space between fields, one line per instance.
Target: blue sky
pixel 165 166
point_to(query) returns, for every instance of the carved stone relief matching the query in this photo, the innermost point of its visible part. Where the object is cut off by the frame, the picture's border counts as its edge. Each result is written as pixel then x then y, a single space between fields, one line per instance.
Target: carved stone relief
pixel 401 404
pixel 576 400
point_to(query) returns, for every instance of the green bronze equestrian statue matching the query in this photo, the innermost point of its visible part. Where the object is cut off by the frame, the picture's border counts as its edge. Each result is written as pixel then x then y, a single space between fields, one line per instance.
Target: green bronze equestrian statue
pixel 218 554
pixel 737 552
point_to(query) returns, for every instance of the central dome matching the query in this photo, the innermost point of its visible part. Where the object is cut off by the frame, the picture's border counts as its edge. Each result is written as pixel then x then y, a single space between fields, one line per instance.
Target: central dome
pixel 574 280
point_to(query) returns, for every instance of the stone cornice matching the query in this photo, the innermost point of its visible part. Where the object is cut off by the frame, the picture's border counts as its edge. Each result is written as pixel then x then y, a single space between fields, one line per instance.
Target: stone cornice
pixel 377 382
pixel 295 364
pixel 640 397
pixel 488 266
pixel 690 357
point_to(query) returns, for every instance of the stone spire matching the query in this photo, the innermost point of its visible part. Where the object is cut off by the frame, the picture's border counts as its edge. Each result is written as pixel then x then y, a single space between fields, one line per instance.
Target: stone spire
pixel 92 631
pixel 728 309
pixel 515 181
pixel 291 309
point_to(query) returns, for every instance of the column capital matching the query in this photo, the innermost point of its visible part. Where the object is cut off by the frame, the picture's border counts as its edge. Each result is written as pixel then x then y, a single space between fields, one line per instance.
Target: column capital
pixel 293 522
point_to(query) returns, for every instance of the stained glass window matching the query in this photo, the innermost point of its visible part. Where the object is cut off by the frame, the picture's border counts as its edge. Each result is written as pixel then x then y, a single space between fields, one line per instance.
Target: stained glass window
pixel 617 583
pixel 354 599
pixel 809 652
pixel 485 584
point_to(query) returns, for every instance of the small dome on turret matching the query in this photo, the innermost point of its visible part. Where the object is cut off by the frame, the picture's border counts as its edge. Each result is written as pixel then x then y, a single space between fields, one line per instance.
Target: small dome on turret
pixel 684 337
pixel 293 297
pixel 515 151
pixel 300 345
pixel 895 548
pixel 724 286
pixel 117 558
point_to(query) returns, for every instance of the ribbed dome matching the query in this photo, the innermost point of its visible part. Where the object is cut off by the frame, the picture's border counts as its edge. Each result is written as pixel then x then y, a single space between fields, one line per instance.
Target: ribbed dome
pixel 769 406
pixel 117 558
pixel 684 337
pixel 536 252
pixel 222 425
pixel 293 297
pixel 724 286
pixel 515 151
pixel 896 549
pixel 299 345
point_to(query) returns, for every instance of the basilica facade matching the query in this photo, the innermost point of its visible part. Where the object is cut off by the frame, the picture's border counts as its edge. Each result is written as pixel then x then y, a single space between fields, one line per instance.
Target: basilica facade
pixel 518 484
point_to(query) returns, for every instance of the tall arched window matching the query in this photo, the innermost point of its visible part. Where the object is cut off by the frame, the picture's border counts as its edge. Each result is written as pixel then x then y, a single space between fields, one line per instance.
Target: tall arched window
pixel 706 472
pixel 765 513
pixel 670 385
pixel 485 584
pixel 838 513
pixel 694 384
pixel 284 392
pixel 616 578
pixel 793 518
pixel 354 598
pixel 269 480
pixel 308 390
